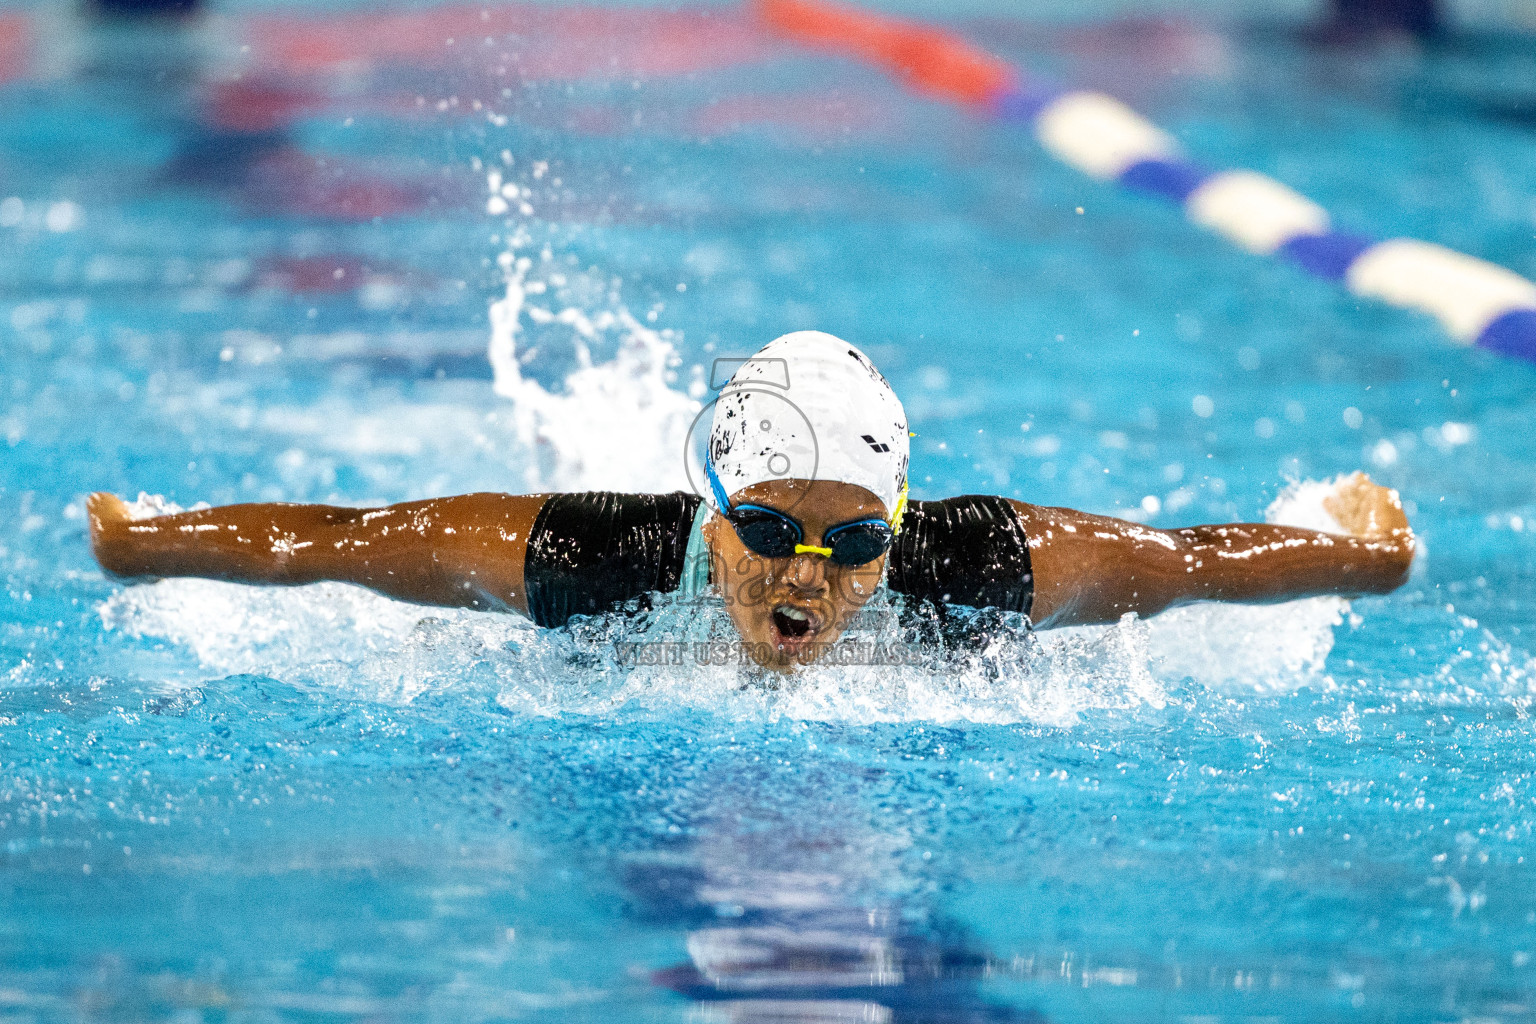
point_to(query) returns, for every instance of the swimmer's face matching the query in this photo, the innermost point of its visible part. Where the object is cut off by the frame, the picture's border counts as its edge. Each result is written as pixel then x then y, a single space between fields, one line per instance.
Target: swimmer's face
pixel 788 609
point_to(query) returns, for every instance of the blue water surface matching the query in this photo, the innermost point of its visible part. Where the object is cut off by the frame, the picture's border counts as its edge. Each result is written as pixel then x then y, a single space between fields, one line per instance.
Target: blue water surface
pixel 243 261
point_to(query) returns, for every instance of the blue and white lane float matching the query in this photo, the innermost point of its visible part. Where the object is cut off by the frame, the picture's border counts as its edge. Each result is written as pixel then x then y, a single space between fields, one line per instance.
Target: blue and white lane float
pixel 1477 302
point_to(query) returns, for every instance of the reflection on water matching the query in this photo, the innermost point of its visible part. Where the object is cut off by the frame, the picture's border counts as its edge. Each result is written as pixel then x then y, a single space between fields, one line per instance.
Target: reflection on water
pixel 797 922
pixel 786 961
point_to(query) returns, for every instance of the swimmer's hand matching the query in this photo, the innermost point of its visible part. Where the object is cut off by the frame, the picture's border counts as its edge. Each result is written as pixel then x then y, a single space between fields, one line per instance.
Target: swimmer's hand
pixel 110 540
pixel 1368 510
pixel 106 510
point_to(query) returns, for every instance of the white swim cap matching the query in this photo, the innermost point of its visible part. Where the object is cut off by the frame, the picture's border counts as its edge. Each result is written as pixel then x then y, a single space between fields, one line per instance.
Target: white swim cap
pixel 809 406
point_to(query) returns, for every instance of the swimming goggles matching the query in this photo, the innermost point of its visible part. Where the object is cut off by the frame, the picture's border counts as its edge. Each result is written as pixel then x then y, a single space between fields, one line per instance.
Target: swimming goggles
pixel 772 534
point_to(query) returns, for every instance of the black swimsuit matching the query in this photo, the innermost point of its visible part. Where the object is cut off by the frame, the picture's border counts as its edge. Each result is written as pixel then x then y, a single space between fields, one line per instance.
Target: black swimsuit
pixel 599 551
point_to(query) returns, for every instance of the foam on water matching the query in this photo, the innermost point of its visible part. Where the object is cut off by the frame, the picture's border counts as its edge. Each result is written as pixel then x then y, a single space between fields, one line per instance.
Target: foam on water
pixel 335 636
pixel 1011 678
pixel 1263 648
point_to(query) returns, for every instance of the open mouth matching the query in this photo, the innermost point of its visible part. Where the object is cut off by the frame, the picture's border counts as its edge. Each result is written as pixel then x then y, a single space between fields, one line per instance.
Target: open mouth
pixel 793 623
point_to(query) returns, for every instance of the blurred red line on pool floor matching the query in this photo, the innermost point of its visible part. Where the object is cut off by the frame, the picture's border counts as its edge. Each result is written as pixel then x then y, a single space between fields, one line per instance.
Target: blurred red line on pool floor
pixel 270 102
pixel 273 104
pixel 260 106
pixel 525 41
pixel 15 45
pixel 296 183
pixel 331 274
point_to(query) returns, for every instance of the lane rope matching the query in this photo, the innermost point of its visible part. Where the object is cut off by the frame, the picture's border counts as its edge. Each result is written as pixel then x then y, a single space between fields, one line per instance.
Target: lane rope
pixel 1477 302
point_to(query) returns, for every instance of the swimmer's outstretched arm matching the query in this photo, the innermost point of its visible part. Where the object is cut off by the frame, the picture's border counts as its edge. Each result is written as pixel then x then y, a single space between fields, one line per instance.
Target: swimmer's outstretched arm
pixel 1093 569
pixel 466 551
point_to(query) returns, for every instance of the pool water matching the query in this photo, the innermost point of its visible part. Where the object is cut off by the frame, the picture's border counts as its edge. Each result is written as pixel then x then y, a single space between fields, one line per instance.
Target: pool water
pixel 300 256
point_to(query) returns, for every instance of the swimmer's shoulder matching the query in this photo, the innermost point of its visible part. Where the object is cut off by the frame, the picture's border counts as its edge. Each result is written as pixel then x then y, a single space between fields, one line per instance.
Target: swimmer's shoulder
pixel 595 551
pixel 972 549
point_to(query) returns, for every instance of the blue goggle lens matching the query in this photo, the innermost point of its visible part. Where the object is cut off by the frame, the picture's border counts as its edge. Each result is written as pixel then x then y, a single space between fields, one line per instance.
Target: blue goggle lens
pixel 859 543
pixel 774 535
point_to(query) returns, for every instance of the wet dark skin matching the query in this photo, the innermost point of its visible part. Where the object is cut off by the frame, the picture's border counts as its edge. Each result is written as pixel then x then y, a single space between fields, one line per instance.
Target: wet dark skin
pixel 467 551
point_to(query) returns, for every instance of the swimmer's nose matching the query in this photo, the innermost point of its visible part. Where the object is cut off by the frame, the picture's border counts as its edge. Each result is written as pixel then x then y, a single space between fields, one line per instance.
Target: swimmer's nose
pixel 807 571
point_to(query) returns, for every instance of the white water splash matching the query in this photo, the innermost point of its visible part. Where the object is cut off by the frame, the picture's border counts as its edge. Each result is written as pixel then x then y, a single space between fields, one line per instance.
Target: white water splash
pixel 1012 679
pixel 343 638
pixel 147 506
pixel 617 425
pixel 1255 648
pixel 340 637
pixel 233 629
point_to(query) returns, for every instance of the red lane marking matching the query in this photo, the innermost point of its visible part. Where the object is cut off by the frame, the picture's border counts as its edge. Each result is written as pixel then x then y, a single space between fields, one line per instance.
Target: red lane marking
pixel 15 44
pixel 295 183
pixel 528 42
pixel 270 103
pixel 356 199
pixel 321 44
pixel 255 106
pixel 327 275
pixel 928 59
pixel 312 274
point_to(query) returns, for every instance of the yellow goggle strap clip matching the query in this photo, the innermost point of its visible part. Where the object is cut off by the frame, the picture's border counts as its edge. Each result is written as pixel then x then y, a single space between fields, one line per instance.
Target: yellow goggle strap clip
pixel 901 509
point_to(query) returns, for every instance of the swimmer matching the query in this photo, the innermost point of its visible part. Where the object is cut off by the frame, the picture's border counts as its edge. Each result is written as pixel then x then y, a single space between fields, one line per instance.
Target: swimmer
pixel 805 518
